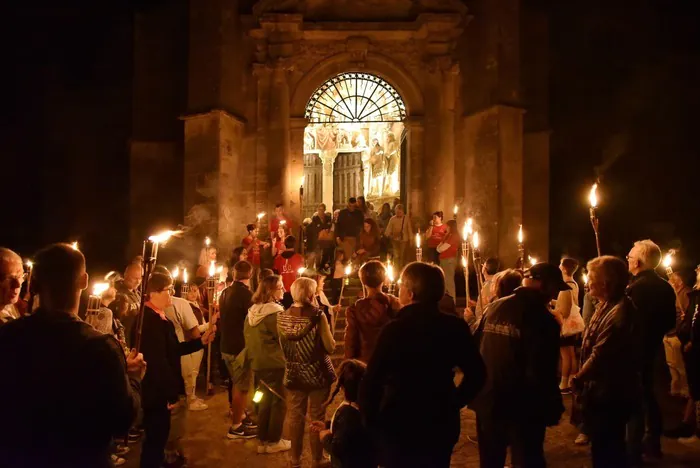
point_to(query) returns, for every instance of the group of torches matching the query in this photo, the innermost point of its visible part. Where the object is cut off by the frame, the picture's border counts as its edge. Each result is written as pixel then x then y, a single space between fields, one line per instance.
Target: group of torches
pixel 470 251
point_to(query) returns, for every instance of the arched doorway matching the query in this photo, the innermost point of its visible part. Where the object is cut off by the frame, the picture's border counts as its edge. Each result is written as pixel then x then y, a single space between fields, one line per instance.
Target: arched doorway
pixel 354 142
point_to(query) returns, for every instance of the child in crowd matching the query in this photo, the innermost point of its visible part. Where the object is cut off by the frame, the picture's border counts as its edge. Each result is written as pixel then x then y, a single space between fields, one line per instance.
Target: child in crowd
pixel 345 437
pixel 337 274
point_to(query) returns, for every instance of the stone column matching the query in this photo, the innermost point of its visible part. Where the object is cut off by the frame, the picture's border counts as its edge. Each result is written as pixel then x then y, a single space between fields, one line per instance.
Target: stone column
pixel 215 196
pixel 494 178
pixel 445 164
pixel 279 174
pixel 295 164
pixel 328 158
pixel 414 166
pixel 263 201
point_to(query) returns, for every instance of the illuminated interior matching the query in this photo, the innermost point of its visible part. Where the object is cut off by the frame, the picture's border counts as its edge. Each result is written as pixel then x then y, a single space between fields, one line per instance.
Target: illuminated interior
pixel 358 114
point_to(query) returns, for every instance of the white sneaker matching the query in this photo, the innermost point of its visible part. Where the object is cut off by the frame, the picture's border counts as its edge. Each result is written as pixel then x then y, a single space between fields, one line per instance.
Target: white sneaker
pixel 117 461
pixel 281 446
pixel 262 448
pixel 692 440
pixel 198 405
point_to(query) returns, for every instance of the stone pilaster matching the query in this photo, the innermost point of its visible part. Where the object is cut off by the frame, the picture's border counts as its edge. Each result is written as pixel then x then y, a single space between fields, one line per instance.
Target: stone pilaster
pixel 494 178
pixel 295 164
pixel 328 158
pixel 414 166
pixel 263 200
pixel 216 201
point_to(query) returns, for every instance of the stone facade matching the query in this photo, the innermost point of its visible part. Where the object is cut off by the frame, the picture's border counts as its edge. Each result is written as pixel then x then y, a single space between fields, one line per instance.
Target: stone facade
pixel 240 75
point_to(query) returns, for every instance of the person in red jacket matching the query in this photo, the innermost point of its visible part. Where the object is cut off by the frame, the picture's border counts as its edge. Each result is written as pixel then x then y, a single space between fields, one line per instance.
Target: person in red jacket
pixel 288 263
pixel 366 319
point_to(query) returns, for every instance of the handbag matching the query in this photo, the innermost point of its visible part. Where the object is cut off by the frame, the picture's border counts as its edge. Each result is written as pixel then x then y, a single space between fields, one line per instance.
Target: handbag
pixel 573 324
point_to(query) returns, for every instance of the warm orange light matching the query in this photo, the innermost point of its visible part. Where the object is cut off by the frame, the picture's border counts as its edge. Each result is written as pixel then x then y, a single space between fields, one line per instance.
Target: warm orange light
pixel 464 262
pixel 585 279
pixel 74 245
pixel 668 259
pixel 184 276
pixel 301 182
pixel 475 240
pixel 207 241
pixel 533 261
pixel 99 288
pixel 163 236
pixel 390 272
pixel 261 215
pixel 465 232
pixel 212 268
pixel 176 272
pixel 301 271
pixel 455 210
pixel 521 238
pixel 348 270
pixel 593 196
pixel 30 264
pixel 418 240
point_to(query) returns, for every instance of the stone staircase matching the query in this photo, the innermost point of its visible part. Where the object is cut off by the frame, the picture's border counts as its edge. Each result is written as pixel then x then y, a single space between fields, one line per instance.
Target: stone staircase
pixel 352 292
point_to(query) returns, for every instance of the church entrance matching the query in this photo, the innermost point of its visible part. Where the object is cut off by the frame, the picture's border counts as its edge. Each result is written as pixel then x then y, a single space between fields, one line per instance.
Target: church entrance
pixel 354 143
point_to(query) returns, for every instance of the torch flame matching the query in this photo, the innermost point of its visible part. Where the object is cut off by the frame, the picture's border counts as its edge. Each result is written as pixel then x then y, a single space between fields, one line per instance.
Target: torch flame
pixel 390 272
pixel 207 241
pixel 585 279
pixel 465 232
pixel 261 215
pixel 593 196
pixel 184 275
pixel 475 240
pixel 258 396
pixel 74 245
pixel 301 182
pixel 176 272
pixel 30 264
pixel 470 225
pixel 162 237
pixel 99 288
pixel 520 235
pixel 283 222
pixel 455 209
pixel 301 271
pixel 464 262
pixel 348 270
pixel 212 268
pixel 220 269
pixel 668 259
pixel 418 240
pixel 533 261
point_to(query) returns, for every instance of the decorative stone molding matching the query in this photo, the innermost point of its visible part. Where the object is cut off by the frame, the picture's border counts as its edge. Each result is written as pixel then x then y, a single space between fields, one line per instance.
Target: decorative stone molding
pixel 357 47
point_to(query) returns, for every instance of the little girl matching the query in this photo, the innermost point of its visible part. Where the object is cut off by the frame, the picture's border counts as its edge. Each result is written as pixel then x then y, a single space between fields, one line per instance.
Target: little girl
pixel 337 274
pixel 345 438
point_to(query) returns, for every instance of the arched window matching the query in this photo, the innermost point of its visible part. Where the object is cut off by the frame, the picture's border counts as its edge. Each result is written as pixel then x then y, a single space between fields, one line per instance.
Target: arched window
pixel 355 97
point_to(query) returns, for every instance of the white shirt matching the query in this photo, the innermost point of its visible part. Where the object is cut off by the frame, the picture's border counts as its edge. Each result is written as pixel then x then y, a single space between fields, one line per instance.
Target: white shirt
pixel 182 316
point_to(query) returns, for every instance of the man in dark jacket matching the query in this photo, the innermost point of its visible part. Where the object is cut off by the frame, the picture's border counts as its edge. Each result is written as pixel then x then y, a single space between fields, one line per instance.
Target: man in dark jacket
pixel 349 226
pixel 656 304
pixel 67 389
pixel 519 340
pixel 234 304
pixel 408 396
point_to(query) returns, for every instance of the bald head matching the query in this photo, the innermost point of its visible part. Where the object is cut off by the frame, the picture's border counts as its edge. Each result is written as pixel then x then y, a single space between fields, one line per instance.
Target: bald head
pixel 11 276
pixel 133 275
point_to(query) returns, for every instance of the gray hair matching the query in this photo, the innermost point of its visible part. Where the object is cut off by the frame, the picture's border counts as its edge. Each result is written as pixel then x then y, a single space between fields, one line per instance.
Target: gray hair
pixel 303 290
pixel 649 253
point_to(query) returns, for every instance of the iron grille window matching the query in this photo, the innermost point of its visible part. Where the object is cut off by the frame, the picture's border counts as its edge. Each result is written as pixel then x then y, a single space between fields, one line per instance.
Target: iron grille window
pixel 355 97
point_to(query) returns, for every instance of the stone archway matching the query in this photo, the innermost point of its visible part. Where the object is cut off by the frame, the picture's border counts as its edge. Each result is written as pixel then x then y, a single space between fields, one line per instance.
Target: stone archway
pixel 355 131
pixel 411 95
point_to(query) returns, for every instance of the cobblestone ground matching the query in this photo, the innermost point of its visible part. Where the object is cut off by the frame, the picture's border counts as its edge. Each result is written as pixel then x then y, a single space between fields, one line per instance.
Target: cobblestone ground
pixel 206 445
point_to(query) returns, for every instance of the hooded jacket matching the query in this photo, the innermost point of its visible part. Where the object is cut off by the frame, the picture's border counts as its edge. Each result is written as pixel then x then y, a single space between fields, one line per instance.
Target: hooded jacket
pixel 261 337
pixel 365 321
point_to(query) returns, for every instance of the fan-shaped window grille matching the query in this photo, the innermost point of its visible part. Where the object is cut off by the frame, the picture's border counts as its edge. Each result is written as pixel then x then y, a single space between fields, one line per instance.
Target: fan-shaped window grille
pixel 355 97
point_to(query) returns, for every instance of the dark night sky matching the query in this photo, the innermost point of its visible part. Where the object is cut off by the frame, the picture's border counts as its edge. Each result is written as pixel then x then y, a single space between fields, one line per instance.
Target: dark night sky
pixel 624 85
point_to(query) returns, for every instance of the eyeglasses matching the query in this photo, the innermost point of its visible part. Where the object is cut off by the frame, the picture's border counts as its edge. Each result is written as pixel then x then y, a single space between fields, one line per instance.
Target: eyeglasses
pixel 171 290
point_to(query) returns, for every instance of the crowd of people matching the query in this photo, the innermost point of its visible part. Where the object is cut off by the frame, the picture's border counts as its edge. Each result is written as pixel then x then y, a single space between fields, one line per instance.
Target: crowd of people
pixel 81 385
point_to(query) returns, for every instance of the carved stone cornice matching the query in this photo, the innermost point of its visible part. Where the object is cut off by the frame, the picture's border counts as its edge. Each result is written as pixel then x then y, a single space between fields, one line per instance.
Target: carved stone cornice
pixel 213 112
